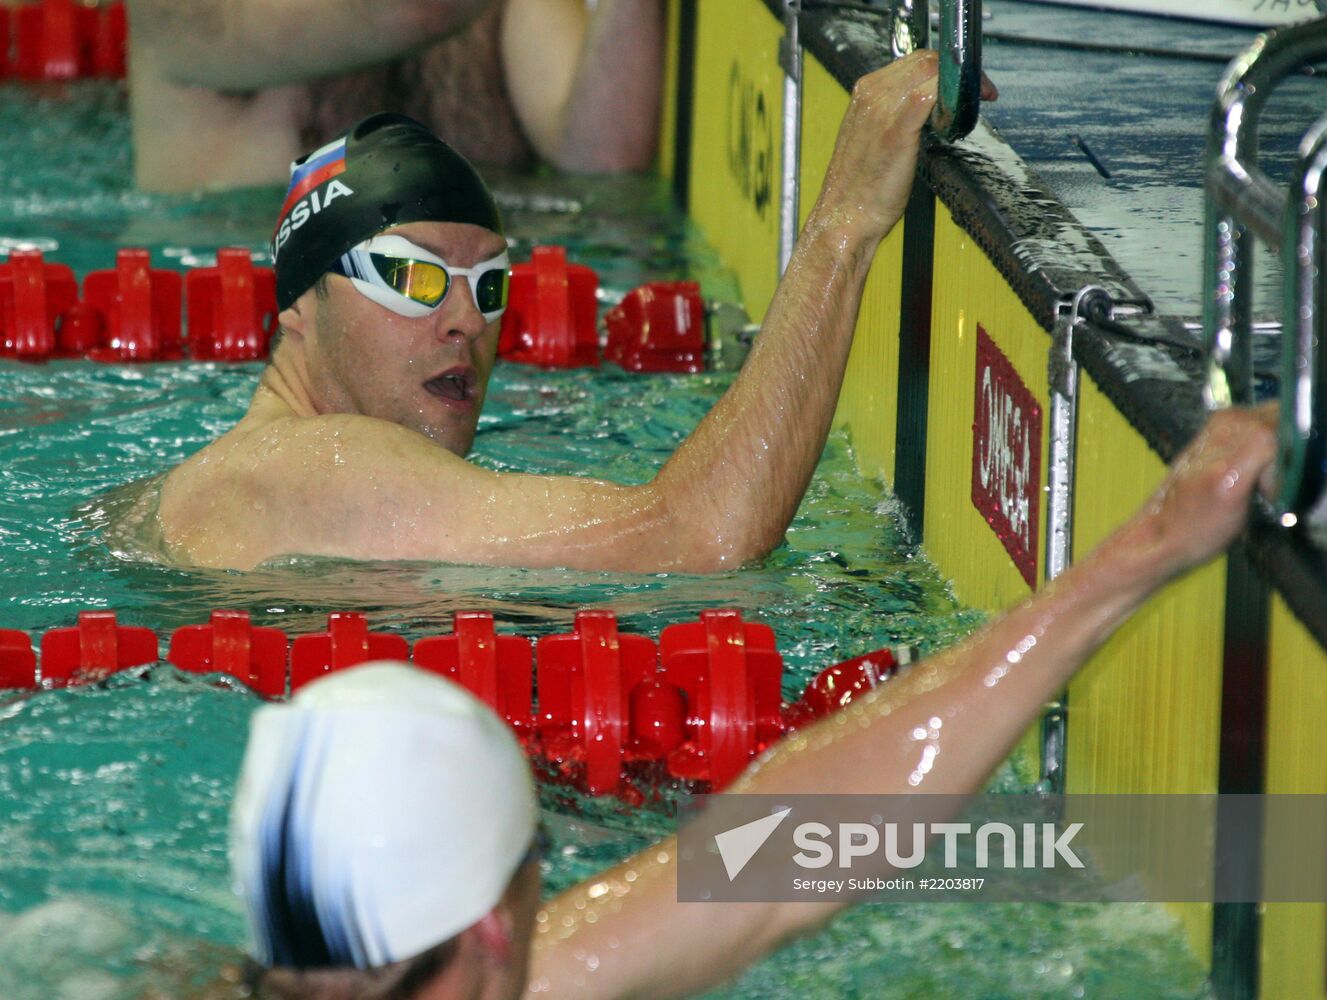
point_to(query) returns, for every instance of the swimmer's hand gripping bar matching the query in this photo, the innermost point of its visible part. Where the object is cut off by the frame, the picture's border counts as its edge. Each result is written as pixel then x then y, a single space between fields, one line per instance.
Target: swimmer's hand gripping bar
pixel 1243 202
pixel 959 45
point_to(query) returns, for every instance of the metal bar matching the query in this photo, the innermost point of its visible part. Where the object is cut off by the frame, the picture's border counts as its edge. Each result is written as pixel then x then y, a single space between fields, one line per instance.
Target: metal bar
pixel 790 57
pixel 1241 199
pixel 1302 453
pixel 1062 372
pixel 1227 273
pixel 1062 376
pixel 912 27
pixel 1241 767
pixel 1251 197
pixel 686 87
pixel 959 103
pixel 1242 203
pixel 914 356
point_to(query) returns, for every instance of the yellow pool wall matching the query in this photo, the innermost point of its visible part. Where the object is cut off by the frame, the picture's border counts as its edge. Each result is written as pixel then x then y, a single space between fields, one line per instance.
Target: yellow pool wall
pixel 1145 713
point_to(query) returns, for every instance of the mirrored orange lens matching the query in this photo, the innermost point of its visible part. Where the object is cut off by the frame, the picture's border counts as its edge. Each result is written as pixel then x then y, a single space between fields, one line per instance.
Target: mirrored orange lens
pixel 421 281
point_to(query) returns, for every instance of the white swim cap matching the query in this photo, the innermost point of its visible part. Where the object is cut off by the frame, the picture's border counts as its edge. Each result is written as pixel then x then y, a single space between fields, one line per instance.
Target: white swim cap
pixel 380 812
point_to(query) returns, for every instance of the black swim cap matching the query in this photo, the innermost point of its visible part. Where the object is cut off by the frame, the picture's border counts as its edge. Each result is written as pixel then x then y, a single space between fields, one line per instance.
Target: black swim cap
pixel 387 170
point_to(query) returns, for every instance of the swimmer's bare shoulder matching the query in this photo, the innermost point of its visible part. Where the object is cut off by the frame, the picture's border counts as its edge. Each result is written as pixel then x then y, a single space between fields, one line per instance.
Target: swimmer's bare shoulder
pixel 357 487
pixel 279 484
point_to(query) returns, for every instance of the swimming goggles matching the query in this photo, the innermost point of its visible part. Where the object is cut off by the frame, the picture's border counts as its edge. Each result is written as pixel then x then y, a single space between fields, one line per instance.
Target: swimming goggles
pixel 411 281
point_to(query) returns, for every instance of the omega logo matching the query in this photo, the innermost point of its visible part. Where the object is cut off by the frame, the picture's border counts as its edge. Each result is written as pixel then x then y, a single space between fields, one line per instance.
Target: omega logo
pixel 750 141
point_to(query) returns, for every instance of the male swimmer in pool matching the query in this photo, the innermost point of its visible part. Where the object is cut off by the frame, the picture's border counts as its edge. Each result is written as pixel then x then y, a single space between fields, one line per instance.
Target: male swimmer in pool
pixel 389 258
pixel 367 878
pixel 228 92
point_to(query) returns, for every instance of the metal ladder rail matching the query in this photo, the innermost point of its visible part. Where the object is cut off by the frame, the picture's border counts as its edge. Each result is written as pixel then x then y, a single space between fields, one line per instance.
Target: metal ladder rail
pixel 1301 473
pixel 1242 203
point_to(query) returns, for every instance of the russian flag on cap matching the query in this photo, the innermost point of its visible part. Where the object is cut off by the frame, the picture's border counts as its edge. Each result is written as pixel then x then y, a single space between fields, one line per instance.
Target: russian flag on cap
pixel 319 166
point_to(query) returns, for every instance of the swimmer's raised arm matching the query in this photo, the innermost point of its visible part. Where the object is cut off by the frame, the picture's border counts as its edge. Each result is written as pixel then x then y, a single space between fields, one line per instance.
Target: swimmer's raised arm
pixel 960 712
pixel 986 691
pixel 746 466
pixel 245 45
pixel 585 83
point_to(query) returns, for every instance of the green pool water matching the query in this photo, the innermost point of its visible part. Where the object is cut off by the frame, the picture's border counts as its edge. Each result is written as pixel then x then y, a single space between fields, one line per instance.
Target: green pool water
pixel 113 798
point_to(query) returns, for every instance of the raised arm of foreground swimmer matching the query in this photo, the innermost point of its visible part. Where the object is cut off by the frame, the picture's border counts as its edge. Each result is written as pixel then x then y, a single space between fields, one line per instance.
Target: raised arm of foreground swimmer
pixel 586 82
pixel 625 935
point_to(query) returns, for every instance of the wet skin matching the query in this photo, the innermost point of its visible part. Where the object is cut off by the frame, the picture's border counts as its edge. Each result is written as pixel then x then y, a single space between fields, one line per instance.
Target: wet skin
pixel 260 82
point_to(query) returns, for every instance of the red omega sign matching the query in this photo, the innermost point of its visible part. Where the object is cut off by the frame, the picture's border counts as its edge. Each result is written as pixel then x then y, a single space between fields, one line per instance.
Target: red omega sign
pixel 1006 456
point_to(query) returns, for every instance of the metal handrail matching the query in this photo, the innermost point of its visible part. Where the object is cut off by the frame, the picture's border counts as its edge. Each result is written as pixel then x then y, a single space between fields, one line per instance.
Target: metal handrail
pixel 1303 408
pixel 1242 202
pixel 959 102
pixel 912 27
pixel 790 58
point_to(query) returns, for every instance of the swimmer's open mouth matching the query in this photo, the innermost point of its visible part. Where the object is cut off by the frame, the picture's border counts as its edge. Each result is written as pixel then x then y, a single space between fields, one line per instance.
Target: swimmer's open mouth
pixel 457 384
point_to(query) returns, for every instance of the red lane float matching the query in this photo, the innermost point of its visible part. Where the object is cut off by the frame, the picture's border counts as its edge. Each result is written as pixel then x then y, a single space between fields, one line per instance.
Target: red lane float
pixel 496 669
pixel 110 41
pixel 585 681
pixel 95 648
pixel 552 312
pixel 732 676
pixel 49 41
pixel 346 643
pixel 229 644
pixel 658 327
pixel 34 295
pixel 232 310
pixel 838 686
pixel 616 713
pixel 132 312
pixel 658 720
pixel 64 40
pixel 18 662
pixel 139 309
pixel 82 332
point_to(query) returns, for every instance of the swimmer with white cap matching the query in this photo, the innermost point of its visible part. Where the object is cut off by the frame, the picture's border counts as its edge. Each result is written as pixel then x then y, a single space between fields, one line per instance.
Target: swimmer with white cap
pixel 367 788
pixel 383 829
